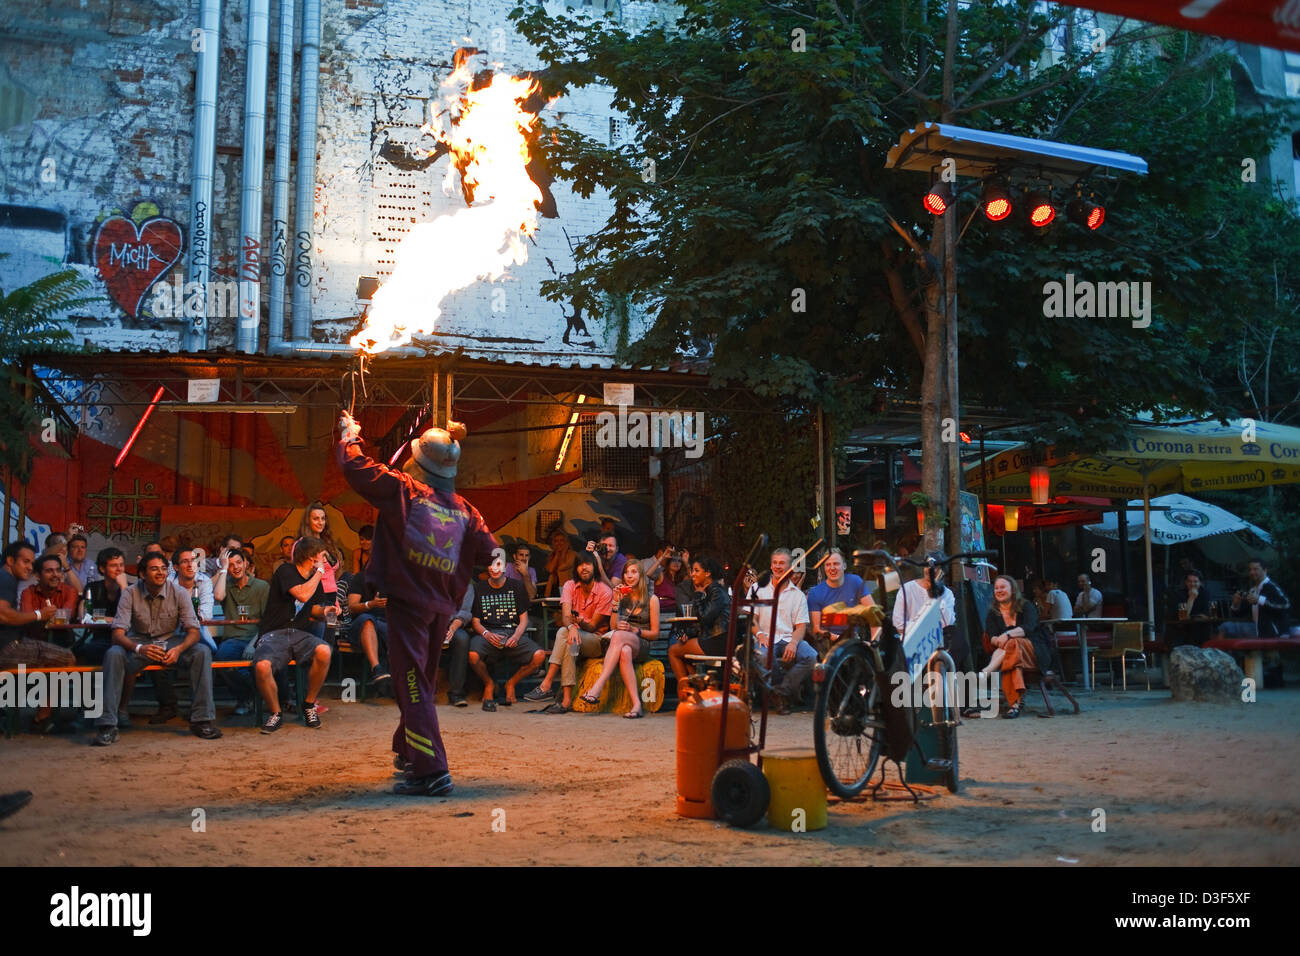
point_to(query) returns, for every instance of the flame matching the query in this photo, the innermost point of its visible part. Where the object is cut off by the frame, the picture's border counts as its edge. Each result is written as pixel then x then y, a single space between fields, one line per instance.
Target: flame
pixel 488 143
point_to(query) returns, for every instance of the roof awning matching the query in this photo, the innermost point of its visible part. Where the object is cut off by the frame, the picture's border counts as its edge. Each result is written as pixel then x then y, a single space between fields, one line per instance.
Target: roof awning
pixel 979 154
pixel 1274 23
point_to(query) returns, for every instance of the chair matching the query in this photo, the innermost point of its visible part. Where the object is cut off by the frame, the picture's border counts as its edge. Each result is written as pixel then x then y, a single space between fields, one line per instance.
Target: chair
pixel 1127 640
pixel 1049 678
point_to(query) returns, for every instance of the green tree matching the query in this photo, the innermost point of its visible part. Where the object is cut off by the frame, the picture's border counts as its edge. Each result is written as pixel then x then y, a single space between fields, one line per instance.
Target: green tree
pixel 30 327
pixel 754 220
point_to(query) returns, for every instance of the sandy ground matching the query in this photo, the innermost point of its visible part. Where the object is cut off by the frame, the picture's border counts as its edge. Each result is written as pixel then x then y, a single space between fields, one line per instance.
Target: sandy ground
pixel 1182 784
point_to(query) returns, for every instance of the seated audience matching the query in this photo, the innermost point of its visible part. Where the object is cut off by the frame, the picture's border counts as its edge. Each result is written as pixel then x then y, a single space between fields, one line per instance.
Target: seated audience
pixel 103 597
pixel 793 658
pixel 293 604
pixel 609 560
pixel 518 570
pixel 286 550
pixel 50 594
pixel 559 566
pixel 16 649
pixel 197 586
pixel 211 565
pixel 365 541
pixel 83 569
pixel 500 619
pixel 456 649
pixel 150 615
pixel 712 606
pixel 1015 641
pixel 235 586
pixel 1088 602
pixel 635 628
pixel 678 579
pixel 1264 603
pixel 585 605
pixel 839 586
pixel 366 624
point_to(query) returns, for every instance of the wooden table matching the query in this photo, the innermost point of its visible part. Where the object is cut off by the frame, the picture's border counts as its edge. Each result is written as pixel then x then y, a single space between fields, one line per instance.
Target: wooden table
pixel 1081 628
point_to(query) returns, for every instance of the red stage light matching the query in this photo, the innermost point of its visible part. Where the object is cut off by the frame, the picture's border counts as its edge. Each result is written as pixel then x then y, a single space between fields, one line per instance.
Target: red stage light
pixel 996 202
pixel 937 199
pixel 1041 211
pixel 1085 213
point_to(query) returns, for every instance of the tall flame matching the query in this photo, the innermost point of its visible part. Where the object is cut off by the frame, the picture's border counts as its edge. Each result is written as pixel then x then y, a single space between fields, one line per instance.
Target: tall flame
pixel 489 148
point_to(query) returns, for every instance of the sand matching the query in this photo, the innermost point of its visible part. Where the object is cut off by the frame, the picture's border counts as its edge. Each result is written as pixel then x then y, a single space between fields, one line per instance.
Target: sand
pixel 1181 784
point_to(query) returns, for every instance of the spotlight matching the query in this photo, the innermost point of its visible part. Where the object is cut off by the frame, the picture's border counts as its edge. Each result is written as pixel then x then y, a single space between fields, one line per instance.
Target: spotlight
pixel 937 200
pixel 1041 211
pixel 1085 213
pixel 996 202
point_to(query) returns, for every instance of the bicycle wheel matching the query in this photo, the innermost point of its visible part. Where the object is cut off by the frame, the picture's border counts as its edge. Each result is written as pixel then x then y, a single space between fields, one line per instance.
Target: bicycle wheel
pixel 846 723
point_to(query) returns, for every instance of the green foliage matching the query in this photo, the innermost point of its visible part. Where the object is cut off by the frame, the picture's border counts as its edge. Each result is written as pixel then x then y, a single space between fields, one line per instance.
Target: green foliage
pixel 29 327
pixel 766 468
pixel 769 182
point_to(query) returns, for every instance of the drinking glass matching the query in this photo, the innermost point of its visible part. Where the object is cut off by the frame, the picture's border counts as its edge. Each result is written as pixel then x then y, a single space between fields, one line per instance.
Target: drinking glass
pixel 243 610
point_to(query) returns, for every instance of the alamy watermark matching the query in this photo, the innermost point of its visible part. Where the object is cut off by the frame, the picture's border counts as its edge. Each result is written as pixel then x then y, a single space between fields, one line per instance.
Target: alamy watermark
pixel 1084 299
pixel 976 689
pixel 81 691
pixel 218 299
pixel 657 430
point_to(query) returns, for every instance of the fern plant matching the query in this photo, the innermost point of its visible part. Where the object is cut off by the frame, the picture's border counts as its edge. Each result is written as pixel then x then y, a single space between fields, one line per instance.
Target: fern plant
pixel 29 327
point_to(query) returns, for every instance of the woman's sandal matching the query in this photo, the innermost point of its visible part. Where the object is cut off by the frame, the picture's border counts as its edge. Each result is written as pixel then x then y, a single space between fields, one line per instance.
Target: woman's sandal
pixel 634 715
pixel 1012 712
pixel 588 699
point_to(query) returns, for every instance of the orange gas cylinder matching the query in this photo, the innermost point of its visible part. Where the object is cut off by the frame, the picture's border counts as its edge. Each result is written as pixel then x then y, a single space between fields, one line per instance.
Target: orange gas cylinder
pixel 699 714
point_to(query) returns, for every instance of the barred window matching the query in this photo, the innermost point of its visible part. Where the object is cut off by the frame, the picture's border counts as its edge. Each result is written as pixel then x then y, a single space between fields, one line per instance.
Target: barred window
pixel 614 468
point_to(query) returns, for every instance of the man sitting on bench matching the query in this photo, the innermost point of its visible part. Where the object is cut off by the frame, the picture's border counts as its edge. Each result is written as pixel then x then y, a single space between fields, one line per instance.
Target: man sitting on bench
pixel 292 604
pixel 144 633
pixel 500 619
pixel 585 609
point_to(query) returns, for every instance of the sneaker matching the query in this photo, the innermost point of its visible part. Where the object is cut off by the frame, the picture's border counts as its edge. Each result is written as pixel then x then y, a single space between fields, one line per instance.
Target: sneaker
pixel 11 803
pixel 105 736
pixel 243 708
pixel 538 695
pixel 381 682
pixel 311 715
pixel 273 723
pixel 204 729
pixel 434 785
pixel 457 700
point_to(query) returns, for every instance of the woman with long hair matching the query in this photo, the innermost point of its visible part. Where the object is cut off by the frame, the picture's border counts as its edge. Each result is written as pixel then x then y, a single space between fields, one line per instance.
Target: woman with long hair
pixel 1012 639
pixel 636 625
pixel 708 637
pixel 315 523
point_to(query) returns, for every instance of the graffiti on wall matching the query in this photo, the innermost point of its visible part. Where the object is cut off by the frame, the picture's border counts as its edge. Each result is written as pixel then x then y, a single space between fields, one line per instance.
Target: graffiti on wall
pixel 133 254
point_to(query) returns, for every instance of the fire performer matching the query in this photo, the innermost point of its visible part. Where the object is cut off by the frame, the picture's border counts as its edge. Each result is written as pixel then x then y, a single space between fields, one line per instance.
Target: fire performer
pixel 427 542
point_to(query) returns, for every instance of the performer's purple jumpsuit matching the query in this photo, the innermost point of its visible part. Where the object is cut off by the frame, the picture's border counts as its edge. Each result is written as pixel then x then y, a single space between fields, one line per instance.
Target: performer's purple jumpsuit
pixel 426 544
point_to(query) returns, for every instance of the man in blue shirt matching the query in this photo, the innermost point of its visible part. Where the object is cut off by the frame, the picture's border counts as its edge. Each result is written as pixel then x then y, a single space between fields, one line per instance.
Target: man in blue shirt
pixel 837 587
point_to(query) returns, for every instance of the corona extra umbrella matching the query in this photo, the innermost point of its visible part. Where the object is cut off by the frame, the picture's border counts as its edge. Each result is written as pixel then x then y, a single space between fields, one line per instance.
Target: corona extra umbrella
pixel 1156 460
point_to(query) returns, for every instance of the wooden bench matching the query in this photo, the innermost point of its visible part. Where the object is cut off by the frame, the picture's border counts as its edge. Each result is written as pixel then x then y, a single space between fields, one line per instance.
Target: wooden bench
pixel 12 713
pixel 1253 648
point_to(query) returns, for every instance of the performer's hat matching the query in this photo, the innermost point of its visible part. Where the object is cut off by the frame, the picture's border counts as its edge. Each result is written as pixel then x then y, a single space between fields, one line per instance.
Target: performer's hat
pixel 436 452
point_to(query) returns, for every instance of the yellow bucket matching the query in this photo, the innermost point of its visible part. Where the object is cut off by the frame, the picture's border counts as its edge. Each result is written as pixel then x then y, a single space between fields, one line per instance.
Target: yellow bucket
pixel 798 793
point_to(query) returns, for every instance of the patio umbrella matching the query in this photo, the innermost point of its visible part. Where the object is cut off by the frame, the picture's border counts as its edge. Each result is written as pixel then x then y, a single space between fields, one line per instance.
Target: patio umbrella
pixel 1157 460
pixel 1178 519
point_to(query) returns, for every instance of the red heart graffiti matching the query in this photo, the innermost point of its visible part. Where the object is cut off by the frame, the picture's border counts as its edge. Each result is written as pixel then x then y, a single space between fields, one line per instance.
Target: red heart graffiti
pixel 131 259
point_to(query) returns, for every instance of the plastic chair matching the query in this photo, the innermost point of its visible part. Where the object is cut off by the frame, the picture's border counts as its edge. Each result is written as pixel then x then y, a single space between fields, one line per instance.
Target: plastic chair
pixel 1127 640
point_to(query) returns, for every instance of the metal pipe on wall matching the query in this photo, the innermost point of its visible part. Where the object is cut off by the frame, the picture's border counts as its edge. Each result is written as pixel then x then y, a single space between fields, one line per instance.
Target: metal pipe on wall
pixel 199 261
pixel 280 194
pixel 250 212
pixel 304 215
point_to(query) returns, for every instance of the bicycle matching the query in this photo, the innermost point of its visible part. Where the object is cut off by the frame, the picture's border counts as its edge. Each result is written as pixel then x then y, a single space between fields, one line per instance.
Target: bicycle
pixel 857 720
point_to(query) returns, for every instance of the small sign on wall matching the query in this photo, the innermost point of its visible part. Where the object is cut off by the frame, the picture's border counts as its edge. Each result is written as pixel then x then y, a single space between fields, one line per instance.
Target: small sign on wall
pixel 619 394
pixel 204 389
pixel 843 519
